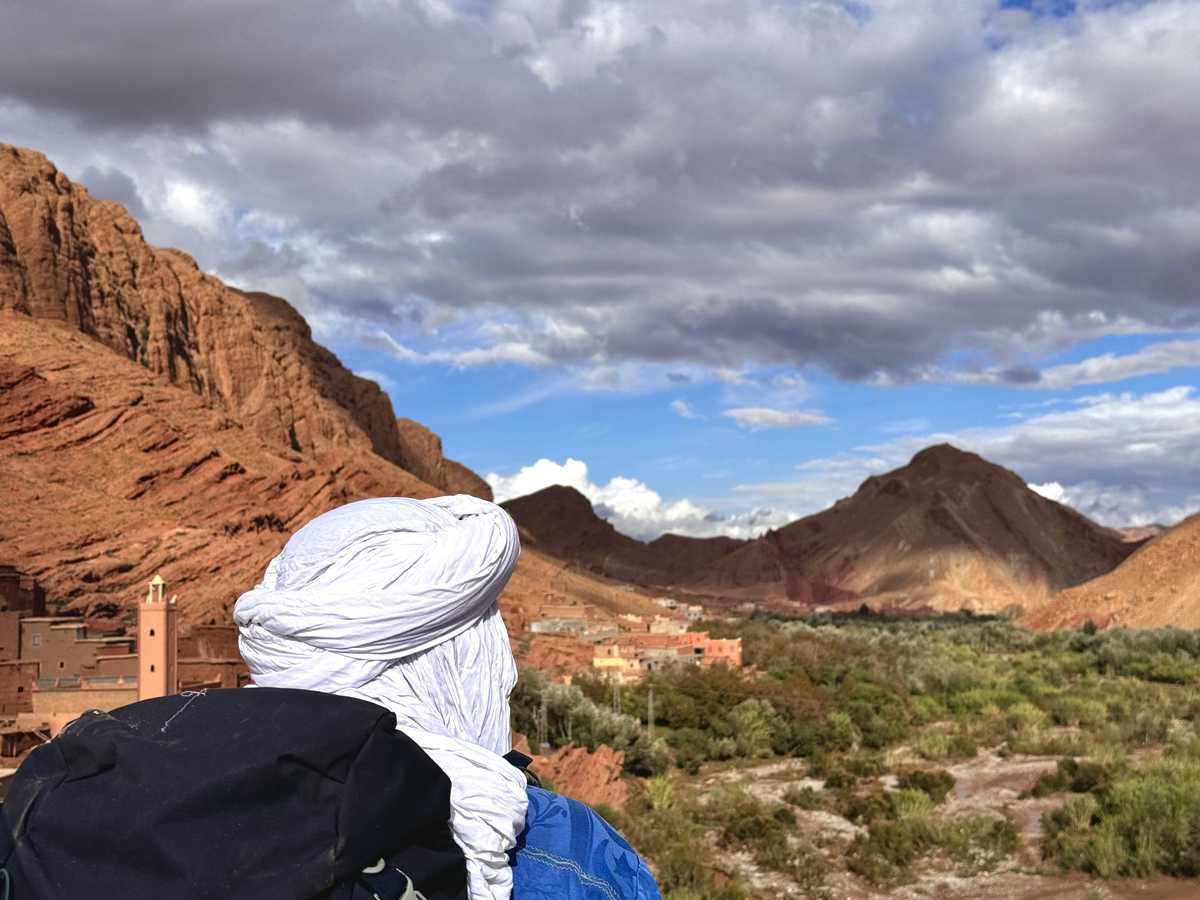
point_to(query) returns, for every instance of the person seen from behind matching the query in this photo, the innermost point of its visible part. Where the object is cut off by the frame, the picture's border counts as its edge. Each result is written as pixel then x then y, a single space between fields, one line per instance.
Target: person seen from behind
pixel 394 601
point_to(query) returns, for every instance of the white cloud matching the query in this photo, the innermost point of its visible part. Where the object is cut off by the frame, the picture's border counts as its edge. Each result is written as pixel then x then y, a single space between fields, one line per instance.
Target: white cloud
pixel 509 352
pixel 516 352
pixel 1051 490
pixel 1153 359
pixel 1108 367
pixel 633 507
pixel 726 375
pixel 758 418
pixel 194 206
pixel 684 409
pixel 384 381
pixel 541 474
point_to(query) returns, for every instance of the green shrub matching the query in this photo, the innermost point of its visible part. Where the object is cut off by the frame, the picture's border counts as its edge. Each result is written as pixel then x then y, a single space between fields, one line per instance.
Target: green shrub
pixel 962 746
pixel 1075 776
pixel 841 733
pixel 1145 823
pixel 691 747
pixel 976 843
pixel 907 803
pixel 646 758
pixel 803 797
pixel 864 809
pixel 1078 711
pixel 885 854
pixel 800 860
pixel 932 745
pixel 936 783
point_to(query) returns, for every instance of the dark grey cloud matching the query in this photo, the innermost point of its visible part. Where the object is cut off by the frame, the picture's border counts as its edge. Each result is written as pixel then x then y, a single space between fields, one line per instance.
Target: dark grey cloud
pixel 872 188
pixel 112 184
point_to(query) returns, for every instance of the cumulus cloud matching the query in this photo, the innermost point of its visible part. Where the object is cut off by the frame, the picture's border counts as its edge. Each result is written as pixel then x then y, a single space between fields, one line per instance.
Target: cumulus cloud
pixel 1121 458
pixel 632 507
pixel 758 418
pixel 873 188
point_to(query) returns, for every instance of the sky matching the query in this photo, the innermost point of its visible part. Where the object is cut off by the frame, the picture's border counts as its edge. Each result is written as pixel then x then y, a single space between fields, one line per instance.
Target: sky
pixel 713 262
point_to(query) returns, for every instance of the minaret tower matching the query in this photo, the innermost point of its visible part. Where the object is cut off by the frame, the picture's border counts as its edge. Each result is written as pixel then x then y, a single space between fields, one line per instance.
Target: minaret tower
pixel 157 643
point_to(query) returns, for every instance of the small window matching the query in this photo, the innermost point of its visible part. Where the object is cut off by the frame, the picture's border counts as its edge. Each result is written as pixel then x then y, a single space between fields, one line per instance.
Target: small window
pixel 20 688
pixel 151 632
pixel 151 667
pixel 61 664
pixel 37 640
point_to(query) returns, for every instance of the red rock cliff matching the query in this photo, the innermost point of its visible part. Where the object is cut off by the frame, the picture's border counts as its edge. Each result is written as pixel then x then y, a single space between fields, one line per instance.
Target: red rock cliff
pixel 67 256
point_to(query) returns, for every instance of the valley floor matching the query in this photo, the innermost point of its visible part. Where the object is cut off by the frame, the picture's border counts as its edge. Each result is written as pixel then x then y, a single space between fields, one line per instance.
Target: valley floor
pixel 989 783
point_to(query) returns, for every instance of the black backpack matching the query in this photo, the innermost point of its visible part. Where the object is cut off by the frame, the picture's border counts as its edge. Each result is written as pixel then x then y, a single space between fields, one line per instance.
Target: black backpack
pixel 227 794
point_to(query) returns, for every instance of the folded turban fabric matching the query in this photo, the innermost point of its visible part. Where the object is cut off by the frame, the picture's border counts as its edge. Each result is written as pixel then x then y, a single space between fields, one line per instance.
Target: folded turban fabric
pixel 394 601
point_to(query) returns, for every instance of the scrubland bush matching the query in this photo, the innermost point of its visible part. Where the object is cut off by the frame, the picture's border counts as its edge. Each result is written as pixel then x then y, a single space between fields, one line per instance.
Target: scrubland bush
pixel 1146 822
pixel 850 691
pixel 932 745
pixel 803 797
pixel 890 849
pixel 934 783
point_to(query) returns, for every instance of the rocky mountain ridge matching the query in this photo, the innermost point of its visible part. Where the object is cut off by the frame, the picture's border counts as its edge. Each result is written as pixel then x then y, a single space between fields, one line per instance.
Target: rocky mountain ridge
pixel 68 257
pixel 949 530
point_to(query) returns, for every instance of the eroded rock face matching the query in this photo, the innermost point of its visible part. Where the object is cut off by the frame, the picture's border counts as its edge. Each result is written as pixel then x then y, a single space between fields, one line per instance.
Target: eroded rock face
pixel 66 256
pixel 421 453
pixel 110 474
pixel 591 777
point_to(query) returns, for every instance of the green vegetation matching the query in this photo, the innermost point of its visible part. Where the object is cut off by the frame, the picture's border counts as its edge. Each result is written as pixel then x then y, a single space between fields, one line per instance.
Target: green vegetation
pixel 1141 822
pixel 878 708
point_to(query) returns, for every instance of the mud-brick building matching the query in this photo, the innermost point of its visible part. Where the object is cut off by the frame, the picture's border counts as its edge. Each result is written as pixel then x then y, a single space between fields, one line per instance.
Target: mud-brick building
pixel 20 593
pixel 64 646
pixel 16 687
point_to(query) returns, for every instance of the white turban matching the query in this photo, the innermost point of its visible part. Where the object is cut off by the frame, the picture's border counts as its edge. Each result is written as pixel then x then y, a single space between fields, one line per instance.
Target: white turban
pixel 394 601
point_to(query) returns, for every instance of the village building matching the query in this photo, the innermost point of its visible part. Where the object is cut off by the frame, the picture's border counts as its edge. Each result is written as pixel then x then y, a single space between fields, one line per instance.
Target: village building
pixel 53 668
pixel 633 656
pixel 20 593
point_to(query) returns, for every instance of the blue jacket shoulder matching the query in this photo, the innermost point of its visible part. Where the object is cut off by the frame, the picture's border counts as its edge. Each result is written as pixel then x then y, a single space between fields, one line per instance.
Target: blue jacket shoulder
pixel 567 852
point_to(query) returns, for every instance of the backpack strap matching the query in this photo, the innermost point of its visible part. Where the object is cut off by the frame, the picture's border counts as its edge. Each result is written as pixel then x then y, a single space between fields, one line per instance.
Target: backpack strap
pixel 521 761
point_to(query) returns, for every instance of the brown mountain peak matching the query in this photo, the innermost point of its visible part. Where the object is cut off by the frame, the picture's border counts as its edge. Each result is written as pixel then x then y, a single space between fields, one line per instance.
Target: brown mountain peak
pixel 947 456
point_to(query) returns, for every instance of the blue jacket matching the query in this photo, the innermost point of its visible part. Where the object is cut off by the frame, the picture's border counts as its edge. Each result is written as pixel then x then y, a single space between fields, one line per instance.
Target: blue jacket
pixel 567 852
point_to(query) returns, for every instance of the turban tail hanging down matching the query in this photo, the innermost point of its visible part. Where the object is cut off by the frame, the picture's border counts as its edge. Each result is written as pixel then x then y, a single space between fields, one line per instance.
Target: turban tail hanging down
pixel 394 601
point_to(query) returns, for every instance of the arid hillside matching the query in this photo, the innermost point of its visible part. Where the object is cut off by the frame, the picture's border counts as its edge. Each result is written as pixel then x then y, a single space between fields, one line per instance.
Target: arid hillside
pixel 68 257
pixel 110 473
pixel 950 530
pixel 1158 585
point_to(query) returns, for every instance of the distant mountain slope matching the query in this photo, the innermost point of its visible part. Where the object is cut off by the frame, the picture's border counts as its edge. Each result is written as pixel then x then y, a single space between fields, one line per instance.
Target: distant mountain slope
pixel 563 523
pixel 66 256
pixel 948 530
pixel 1158 585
